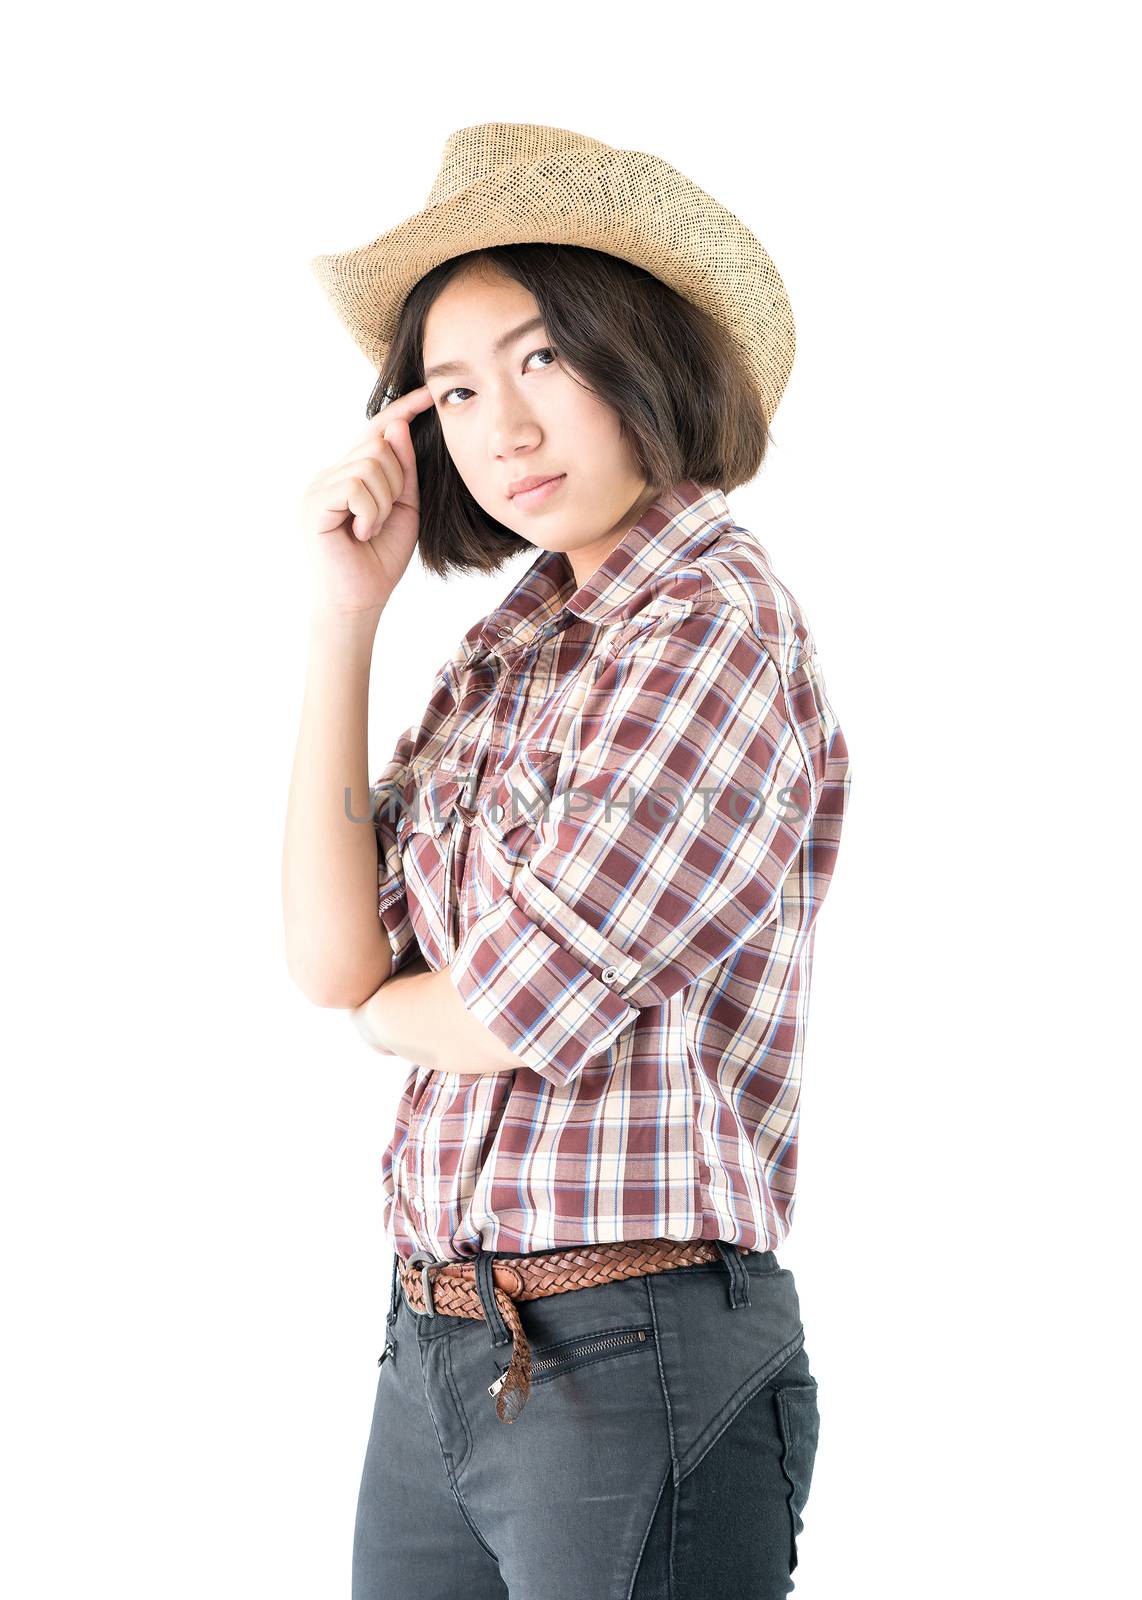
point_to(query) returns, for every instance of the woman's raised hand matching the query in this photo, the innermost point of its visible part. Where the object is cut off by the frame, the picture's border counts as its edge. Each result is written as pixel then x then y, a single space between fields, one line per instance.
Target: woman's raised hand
pixel 361 516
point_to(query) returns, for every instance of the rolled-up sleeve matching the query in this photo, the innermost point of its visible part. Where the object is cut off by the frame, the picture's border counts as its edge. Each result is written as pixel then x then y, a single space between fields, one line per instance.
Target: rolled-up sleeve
pixel 681 800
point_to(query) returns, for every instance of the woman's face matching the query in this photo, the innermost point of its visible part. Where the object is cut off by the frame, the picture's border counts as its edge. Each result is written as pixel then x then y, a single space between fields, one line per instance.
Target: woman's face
pixel 509 409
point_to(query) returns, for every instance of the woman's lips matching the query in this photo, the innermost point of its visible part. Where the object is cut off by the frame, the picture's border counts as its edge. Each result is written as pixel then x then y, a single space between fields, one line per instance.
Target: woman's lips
pixel 532 497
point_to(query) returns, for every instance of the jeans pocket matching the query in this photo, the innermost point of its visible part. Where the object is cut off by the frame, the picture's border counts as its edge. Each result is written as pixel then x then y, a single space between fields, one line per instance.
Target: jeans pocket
pixel 799 1420
pixel 552 1361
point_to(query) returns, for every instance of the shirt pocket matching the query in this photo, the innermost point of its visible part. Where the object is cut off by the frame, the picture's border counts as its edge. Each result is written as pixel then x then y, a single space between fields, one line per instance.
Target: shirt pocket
pixel 518 797
pixel 512 807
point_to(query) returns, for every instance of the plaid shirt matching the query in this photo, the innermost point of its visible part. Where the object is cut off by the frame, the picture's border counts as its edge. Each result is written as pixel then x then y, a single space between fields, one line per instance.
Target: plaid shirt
pixel 615 823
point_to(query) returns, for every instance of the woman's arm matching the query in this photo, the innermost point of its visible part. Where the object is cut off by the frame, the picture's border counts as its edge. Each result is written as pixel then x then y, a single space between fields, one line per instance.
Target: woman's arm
pixel 336 947
pixel 419 1016
pixel 366 1020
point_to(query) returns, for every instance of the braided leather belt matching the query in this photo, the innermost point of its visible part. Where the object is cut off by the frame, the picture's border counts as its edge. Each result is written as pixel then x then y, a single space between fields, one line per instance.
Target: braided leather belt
pixel 448 1288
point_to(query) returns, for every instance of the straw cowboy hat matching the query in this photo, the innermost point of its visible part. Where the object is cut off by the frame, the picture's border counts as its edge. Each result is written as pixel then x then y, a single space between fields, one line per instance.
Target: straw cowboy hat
pixel 517 183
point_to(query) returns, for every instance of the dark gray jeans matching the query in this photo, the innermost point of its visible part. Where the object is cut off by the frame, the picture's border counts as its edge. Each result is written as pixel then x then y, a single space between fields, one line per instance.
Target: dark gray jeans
pixel 665 1451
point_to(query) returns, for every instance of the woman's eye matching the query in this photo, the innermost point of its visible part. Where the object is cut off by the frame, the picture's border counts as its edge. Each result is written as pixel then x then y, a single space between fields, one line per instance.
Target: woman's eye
pixel 544 350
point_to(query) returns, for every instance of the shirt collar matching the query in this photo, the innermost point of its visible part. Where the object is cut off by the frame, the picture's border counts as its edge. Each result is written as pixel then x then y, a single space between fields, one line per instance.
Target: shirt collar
pixel 673 529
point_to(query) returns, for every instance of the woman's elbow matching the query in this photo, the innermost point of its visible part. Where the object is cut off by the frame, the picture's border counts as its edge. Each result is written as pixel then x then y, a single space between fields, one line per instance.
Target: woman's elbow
pixel 340 988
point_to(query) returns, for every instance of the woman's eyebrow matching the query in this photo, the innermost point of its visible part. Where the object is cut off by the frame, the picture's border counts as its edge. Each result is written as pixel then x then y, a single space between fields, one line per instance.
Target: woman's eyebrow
pixel 445 368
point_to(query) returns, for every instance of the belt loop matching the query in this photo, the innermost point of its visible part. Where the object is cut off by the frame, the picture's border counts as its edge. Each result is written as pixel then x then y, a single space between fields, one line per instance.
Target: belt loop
pixel 422 1259
pixel 739 1277
pixel 486 1284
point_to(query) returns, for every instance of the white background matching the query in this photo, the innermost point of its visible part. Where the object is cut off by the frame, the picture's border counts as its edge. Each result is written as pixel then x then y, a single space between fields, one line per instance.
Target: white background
pixel 194 1268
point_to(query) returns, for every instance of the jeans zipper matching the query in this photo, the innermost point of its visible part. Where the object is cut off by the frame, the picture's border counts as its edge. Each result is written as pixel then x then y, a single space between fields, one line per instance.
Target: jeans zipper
pixel 585 1347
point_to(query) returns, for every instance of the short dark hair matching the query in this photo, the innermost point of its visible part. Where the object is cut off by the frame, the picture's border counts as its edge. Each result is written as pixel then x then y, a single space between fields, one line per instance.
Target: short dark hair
pixel 683 393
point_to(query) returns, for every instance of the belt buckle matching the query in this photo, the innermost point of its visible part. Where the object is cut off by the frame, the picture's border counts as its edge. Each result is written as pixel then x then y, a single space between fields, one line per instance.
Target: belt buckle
pixel 422 1259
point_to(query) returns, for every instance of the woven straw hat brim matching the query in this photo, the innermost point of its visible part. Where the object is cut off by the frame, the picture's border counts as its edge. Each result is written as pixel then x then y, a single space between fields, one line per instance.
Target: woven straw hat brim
pixel 625 203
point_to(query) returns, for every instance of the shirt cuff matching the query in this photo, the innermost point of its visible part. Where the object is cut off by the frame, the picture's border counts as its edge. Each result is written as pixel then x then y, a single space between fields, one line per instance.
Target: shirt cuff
pixel 392 906
pixel 548 1005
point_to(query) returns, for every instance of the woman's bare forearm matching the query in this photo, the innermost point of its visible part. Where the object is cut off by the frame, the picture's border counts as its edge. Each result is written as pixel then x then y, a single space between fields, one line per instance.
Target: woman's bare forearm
pixel 336 947
pixel 418 1016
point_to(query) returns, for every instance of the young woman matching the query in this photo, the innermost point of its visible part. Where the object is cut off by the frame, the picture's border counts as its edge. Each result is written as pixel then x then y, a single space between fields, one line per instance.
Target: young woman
pixel 583 904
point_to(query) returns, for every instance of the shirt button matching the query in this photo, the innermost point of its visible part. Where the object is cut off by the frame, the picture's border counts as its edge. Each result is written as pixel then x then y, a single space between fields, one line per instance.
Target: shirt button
pixel 418 1204
pixel 610 974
